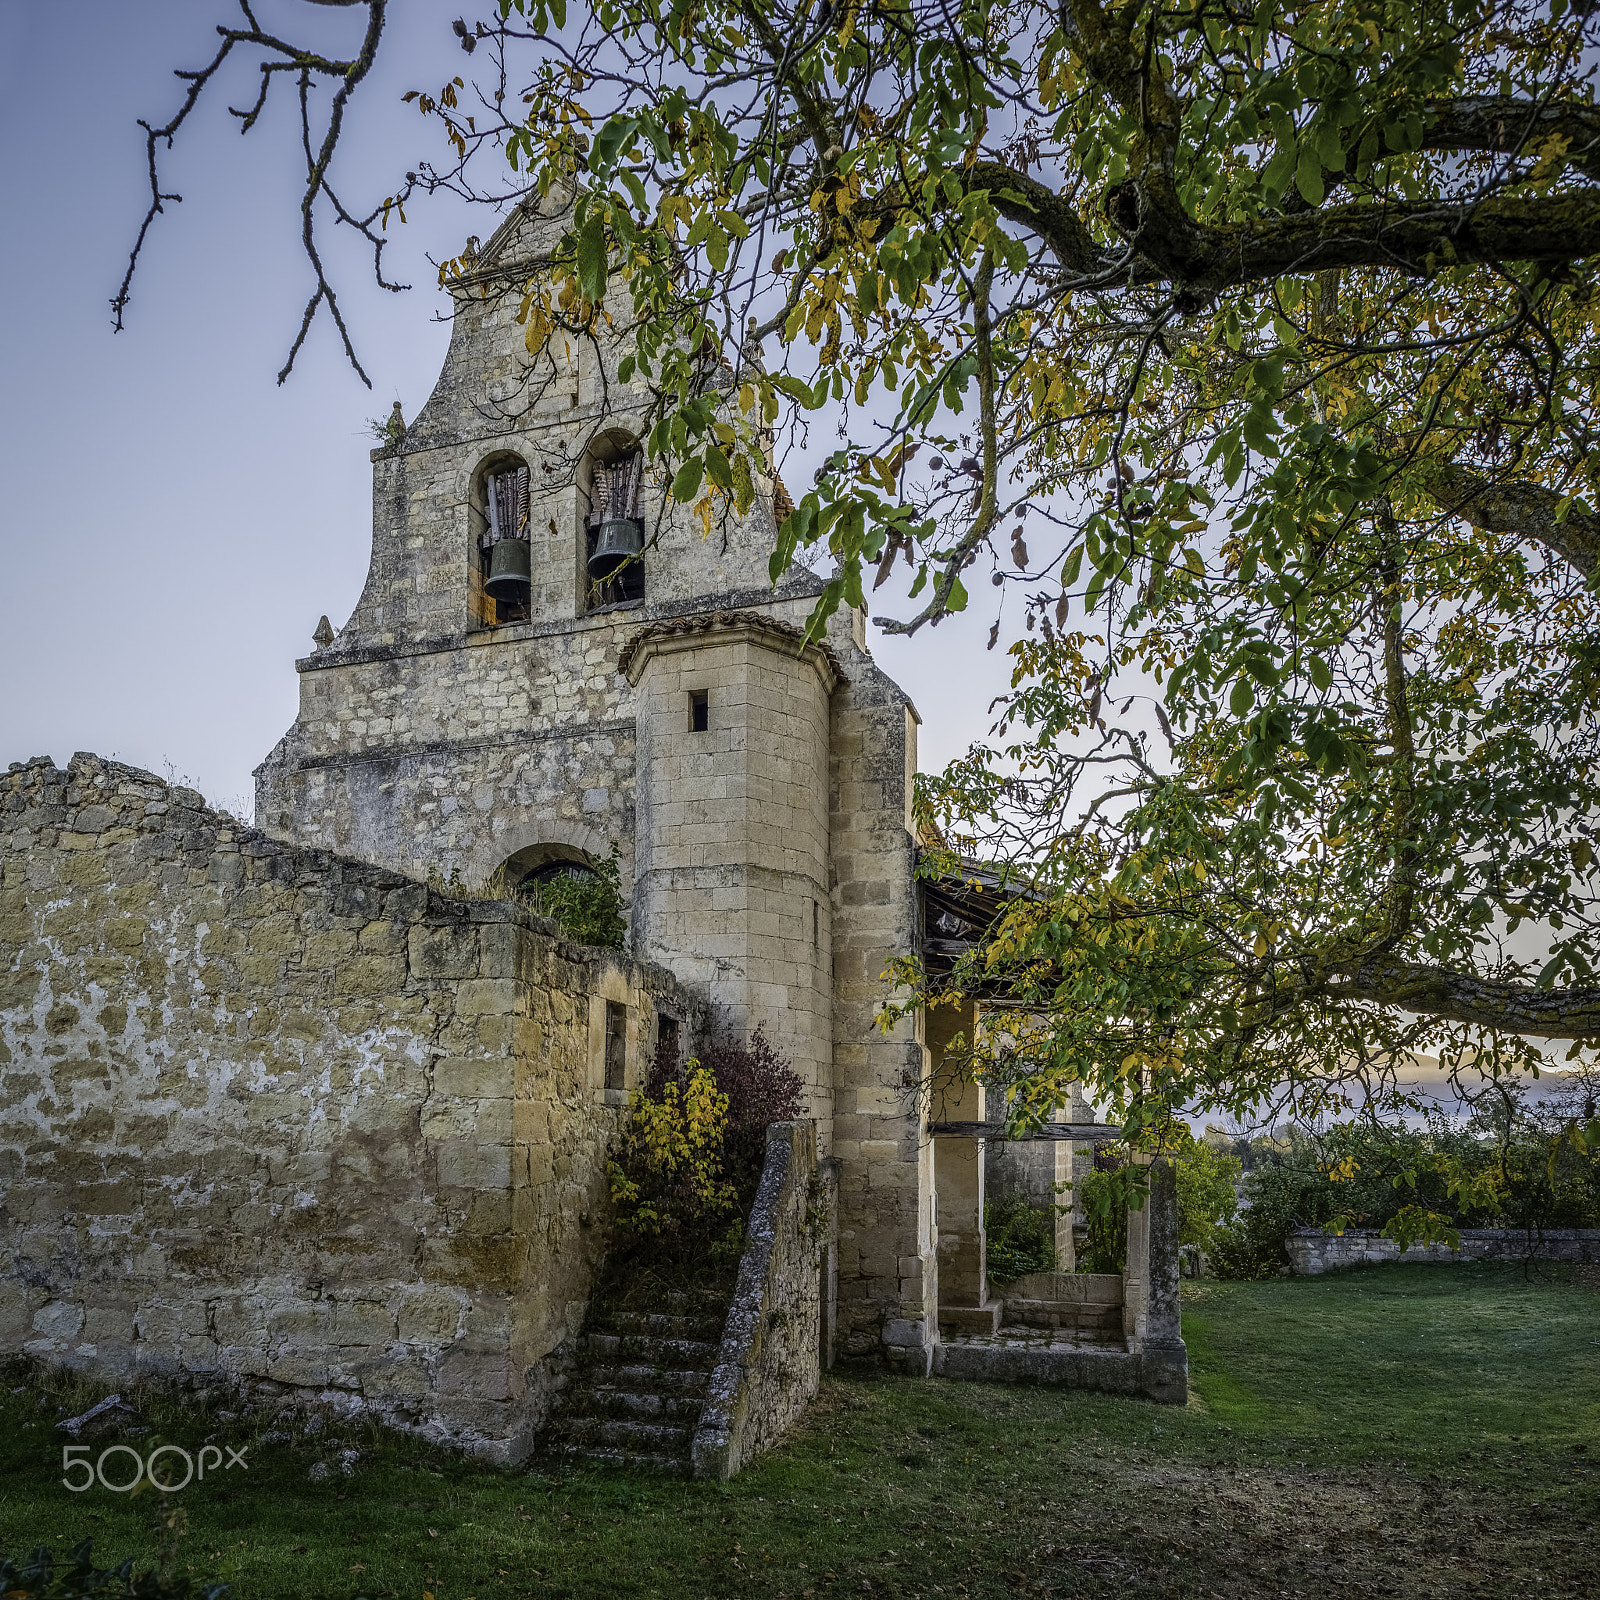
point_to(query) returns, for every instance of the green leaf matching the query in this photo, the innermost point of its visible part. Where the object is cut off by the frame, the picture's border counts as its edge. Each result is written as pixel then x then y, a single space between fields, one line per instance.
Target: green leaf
pixel 1308 177
pixel 687 483
pixel 592 257
pixel 1242 701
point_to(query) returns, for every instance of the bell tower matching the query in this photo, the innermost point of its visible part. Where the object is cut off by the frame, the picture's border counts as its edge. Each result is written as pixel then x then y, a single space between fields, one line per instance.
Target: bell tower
pixel 551 660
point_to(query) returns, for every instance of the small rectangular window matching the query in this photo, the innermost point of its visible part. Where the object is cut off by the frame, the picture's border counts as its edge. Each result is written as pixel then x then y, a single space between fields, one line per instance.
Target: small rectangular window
pixel 816 926
pixel 616 1045
pixel 667 1046
pixel 699 710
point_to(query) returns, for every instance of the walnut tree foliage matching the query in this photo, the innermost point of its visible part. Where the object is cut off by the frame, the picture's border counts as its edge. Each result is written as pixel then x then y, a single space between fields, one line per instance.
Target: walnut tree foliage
pixel 1250 351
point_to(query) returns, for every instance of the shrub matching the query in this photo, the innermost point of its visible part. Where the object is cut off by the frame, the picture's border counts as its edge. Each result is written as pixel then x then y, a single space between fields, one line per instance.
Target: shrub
pixel 1281 1198
pixel 1020 1237
pixel 588 909
pixel 669 1184
pixel 1206 1196
pixel 41 1577
pixel 761 1088
pixel 1105 1194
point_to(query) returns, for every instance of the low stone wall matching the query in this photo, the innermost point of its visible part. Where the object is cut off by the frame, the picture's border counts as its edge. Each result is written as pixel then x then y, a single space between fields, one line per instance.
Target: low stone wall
pixel 1086 1301
pixel 770 1362
pixel 289 1121
pixel 1312 1251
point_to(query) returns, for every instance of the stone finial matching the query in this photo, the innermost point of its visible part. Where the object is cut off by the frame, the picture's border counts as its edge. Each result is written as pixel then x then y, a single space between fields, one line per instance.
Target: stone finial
pixel 323 637
pixel 396 426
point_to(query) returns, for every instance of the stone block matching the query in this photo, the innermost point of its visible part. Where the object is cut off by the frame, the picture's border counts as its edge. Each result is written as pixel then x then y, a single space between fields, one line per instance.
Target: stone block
pixel 448 952
pixel 467 1165
pixel 487 997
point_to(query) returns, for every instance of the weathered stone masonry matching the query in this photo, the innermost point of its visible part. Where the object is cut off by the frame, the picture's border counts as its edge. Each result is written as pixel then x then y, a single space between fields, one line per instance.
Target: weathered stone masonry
pixel 767 860
pixel 290 1119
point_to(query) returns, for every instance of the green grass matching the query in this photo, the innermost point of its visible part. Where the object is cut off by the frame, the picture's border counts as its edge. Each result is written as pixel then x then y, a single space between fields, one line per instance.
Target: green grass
pixel 1395 1430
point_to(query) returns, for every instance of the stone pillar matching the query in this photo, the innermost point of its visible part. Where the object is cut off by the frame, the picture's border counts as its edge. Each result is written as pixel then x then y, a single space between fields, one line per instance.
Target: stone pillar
pixel 1164 1358
pixel 958 1182
pixel 1136 1274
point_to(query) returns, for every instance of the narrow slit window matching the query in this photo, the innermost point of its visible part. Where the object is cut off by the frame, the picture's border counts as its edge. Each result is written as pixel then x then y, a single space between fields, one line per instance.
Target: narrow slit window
pixel 667 1045
pixel 616 1045
pixel 816 926
pixel 699 710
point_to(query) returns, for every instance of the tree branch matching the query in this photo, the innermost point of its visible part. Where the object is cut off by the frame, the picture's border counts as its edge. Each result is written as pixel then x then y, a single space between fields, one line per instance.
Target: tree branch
pixel 1464 997
pixel 1524 510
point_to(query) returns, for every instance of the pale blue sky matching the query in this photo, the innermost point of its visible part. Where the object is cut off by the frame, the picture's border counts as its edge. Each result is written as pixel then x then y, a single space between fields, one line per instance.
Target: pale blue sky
pixel 173 523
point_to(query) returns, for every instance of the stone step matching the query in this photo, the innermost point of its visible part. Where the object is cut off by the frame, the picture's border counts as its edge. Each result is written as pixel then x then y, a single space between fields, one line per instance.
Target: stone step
pixel 661 1380
pixel 663 1324
pixel 1086 1316
pixel 648 1350
pixel 634 1461
pixel 634 1438
pixel 971 1320
pixel 599 1400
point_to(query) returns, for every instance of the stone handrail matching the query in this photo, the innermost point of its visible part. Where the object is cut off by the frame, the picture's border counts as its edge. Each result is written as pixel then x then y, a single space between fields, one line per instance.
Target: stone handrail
pixel 769 1364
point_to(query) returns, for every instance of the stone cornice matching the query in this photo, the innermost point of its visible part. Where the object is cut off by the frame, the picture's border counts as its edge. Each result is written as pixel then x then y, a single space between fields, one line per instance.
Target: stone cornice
pixel 685 633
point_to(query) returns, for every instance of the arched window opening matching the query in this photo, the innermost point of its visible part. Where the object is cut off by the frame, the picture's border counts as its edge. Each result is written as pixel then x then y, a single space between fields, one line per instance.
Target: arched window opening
pixel 530 886
pixel 504 564
pixel 614 526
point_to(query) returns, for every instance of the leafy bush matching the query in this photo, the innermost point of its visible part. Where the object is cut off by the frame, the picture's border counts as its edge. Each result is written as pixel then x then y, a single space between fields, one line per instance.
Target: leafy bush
pixel 1206 1196
pixel 761 1088
pixel 695 1148
pixel 588 909
pixel 1206 1201
pixel 669 1184
pixel 1020 1237
pixel 1281 1198
pixel 1512 1171
pixel 1106 1194
pixel 41 1577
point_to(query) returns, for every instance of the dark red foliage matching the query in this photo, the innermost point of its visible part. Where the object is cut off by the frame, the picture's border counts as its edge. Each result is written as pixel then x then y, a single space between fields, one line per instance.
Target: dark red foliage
pixel 762 1088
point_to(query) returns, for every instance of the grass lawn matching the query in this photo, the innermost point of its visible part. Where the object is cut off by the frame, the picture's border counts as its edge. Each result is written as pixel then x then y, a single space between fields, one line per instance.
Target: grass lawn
pixel 1392 1430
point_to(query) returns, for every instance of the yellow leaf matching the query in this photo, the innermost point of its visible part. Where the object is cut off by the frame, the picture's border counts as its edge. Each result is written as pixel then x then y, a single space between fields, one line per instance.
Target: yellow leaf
pixel 1261 946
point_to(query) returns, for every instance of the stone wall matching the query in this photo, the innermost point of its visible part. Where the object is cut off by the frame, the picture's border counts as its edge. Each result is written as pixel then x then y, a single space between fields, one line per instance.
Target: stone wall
pixel 285 1119
pixel 770 1362
pixel 1311 1251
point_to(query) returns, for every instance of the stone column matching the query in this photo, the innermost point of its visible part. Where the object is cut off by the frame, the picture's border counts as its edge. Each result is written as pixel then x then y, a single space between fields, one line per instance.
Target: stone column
pixel 1136 1274
pixel 958 1182
pixel 1164 1359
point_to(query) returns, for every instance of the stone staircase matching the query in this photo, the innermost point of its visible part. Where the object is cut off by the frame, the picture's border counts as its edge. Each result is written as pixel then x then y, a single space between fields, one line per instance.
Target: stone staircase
pixel 635 1396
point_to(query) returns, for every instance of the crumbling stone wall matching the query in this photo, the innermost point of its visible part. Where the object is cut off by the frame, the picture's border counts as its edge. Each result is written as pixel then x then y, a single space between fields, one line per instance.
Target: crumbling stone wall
pixel 287 1119
pixel 770 1362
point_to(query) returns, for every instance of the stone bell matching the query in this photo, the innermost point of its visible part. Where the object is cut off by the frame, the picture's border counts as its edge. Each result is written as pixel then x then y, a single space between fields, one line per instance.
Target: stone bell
pixel 620 539
pixel 510 572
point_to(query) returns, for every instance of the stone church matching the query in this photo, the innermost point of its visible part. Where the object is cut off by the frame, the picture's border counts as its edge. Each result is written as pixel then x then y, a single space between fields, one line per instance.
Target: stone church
pixel 322 1105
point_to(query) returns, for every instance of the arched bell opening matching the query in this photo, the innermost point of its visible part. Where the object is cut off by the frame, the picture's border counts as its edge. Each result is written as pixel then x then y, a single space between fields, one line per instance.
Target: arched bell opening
pixel 503 565
pixel 611 492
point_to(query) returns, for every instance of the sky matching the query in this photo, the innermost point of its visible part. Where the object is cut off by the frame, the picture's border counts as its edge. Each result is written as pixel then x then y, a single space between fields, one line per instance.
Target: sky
pixel 172 522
